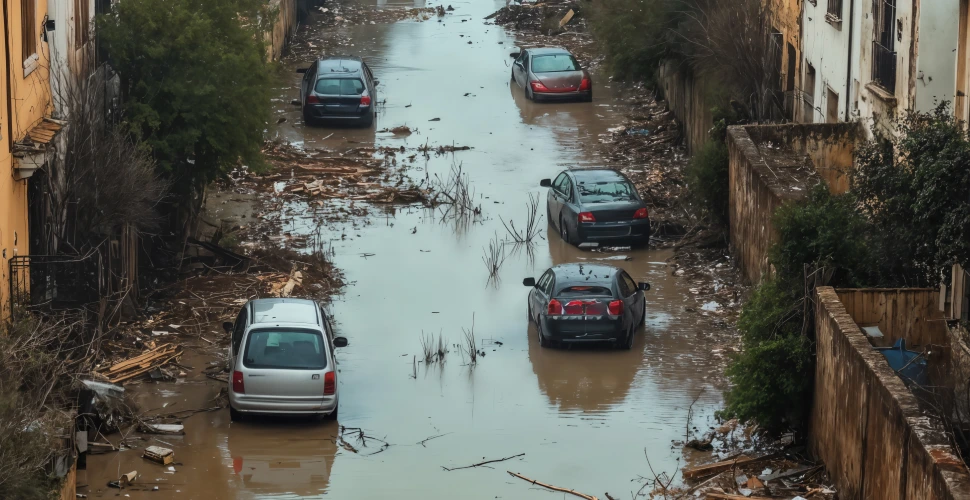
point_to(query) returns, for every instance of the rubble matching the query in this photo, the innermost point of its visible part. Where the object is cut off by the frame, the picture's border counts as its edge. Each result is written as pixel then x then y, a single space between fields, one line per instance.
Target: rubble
pixel 149 360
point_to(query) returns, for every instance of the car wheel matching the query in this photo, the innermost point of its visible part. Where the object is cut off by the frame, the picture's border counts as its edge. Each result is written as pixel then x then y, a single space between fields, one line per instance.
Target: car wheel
pixel 307 119
pixel 628 341
pixel 529 94
pixel 542 339
pixel 368 122
pixel 564 232
pixel 333 416
pixel 234 415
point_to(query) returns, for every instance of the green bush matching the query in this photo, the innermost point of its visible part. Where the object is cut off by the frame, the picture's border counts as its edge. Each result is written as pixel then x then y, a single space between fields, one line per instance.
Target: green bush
pixel 707 177
pixel 635 35
pixel 194 81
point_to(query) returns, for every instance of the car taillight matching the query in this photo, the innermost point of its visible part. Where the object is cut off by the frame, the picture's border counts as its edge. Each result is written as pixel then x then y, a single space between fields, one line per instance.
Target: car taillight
pixel 312 99
pixel 584 85
pixel 555 307
pixel 615 308
pixel 586 217
pixel 237 383
pixel 330 383
pixel 641 214
pixel 365 100
pixel 537 86
pixel 573 307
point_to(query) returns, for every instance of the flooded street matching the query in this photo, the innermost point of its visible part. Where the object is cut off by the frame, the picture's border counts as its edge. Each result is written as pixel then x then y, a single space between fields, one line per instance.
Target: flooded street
pixel 582 418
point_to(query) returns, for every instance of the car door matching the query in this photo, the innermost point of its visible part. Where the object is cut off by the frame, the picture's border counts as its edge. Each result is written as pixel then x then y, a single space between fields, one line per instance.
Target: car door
pixel 541 293
pixel 556 196
pixel 567 210
pixel 634 298
pixel 518 68
pixel 308 77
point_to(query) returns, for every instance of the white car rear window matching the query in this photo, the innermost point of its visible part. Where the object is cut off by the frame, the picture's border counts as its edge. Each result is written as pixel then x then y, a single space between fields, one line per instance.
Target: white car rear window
pixel 285 349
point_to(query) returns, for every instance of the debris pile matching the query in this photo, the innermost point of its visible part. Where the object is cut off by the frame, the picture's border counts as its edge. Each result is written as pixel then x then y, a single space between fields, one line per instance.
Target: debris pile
pixel 547 18
pixel 152 359
pixel 775 475
pixel 353 14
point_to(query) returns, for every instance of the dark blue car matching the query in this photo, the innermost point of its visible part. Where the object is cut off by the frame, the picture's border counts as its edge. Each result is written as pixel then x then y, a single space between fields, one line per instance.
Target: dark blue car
pixel 338 89
pixel 582 303
pixel 597 206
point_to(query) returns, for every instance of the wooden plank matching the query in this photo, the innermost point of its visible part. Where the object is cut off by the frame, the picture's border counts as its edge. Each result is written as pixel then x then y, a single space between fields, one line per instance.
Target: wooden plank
pixel 726 496
pixel 718 467
pixel 137 360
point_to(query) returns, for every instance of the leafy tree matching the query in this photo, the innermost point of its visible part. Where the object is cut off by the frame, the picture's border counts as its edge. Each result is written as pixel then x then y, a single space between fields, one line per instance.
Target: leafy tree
pixel 915 189
pixel 194 81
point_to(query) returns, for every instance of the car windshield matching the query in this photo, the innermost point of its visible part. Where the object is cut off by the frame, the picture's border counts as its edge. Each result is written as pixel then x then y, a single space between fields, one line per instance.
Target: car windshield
pixel 554 63
pixel 584 291
pixel 600 192
pixel 285 349
pixel 340 86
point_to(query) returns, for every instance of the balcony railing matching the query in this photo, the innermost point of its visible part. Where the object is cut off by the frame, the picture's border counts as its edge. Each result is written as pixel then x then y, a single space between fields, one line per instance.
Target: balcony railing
pixel 884 66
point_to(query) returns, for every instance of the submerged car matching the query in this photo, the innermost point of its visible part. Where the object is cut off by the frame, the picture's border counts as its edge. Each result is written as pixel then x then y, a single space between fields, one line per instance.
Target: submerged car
pixel 338 90
pixel 577 303
pixel 551 74
pixel 597 206
pixel 282 359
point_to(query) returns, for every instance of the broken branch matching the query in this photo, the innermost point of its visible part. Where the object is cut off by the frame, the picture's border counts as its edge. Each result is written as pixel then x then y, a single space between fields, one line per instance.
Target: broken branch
pixel 551 487
pixel 485 462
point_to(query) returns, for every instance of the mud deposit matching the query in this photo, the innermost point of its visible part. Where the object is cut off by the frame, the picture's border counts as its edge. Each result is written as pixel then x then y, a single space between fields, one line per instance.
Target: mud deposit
pixel 580 418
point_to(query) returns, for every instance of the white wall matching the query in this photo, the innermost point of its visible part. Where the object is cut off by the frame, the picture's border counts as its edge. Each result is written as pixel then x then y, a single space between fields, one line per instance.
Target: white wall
pixel 68 61
pixel 936 49
pixel 826 46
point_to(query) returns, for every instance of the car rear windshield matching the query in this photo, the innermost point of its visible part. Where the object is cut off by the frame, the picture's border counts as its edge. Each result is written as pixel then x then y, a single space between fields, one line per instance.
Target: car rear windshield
pixel 340 86
pixel 286 349
pixel 554 63
pixel 595 192
pixel 584 291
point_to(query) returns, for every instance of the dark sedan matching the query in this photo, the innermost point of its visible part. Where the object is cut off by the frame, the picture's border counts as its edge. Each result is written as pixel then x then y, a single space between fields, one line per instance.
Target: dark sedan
pixel 551 73
pixel 597 206
pixel 576 303
pixel 338 90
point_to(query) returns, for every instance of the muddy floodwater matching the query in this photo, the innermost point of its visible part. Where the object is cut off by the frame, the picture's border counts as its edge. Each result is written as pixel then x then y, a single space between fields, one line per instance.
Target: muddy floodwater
pixel 583 418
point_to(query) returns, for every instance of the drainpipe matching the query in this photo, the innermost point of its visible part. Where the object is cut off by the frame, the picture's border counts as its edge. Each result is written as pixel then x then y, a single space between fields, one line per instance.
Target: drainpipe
pixel 848 69
pixel 6 46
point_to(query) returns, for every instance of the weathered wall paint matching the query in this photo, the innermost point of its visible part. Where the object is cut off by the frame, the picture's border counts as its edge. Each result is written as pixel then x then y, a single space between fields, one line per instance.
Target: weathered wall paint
pixel 756 189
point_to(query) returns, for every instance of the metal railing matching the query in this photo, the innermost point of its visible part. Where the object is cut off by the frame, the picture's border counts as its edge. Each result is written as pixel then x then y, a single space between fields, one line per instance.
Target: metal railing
pixel 884 66
pixel 53 282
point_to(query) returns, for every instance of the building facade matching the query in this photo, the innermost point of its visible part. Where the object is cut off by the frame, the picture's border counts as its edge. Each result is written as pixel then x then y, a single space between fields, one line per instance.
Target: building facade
pixel 25 131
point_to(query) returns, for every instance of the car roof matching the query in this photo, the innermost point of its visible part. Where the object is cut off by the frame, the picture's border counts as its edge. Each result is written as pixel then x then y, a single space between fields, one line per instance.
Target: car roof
pixel 346 65
pixel 574 273
pixel 597 175
pixel 539 51
pixel 285 310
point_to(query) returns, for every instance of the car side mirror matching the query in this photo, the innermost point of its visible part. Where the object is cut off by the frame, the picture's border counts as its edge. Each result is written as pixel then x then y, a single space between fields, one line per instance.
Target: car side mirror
pixel 340 342
pixel 227 326
pixel 295 102
pixel 514 54
pixel 545 183
pixel 377 82
pixel 643 286
pixel 530 282
pixel 301 70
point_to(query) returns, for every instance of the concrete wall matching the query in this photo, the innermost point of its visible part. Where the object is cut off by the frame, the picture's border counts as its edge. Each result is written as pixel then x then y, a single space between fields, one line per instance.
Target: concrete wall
pixel 865 424
pixel 284 27
pixel 686 97
pixel 826 46
pixel 772 164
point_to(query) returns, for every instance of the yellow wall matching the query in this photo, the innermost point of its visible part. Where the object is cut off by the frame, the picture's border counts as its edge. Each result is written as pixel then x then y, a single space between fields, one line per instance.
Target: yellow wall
pixel 786 17
pixel 28 99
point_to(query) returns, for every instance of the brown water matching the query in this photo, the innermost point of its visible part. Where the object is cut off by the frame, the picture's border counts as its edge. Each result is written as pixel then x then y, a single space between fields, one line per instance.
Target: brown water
pixel 582 417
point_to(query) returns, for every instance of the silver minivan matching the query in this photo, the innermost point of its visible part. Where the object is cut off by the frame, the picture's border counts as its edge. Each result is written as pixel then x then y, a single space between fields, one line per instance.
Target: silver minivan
pixel 282 359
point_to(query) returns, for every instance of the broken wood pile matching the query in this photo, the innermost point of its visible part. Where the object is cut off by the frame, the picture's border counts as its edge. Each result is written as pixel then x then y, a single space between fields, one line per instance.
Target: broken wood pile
pixel 769 476
pixel 356 175
pixel 141 364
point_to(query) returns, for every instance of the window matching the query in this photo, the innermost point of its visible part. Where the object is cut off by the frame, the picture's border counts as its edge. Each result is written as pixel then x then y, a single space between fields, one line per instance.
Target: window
pixel 81 19
pixel 554 64
pixel 28 27
pixel 584 291
pixel 629 284
pixel 599 192
pixel 831 106
pixel 562 185
pixel 286 349
pixel 808 94
pixel 340 86
pixel 834 9
pixel 238 329
pixel 884 44
pixel 545 283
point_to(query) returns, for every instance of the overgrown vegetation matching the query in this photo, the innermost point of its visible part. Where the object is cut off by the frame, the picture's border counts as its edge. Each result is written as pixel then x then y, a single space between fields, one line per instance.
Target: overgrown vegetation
pixel 905 222
pixel 36 357
pixel 194 82
pixel 635 35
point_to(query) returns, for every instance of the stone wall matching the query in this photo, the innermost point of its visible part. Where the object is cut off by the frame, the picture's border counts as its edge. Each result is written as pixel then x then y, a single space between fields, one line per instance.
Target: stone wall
pixel 772 164
pixel 284 27
pixel 687 100
pixel 866 425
